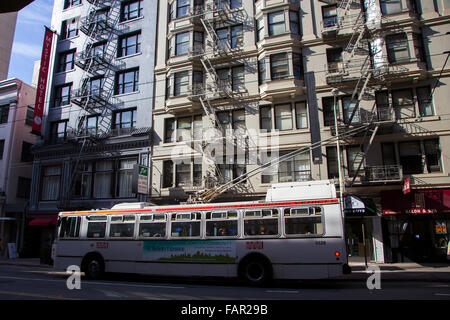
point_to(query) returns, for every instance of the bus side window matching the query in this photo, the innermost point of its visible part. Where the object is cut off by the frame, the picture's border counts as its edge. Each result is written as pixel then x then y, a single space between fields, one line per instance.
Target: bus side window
pixel 304 221
pixel 96 227
pixel 70 227
pixel 222 228
pixel 263 225
pixel 152 230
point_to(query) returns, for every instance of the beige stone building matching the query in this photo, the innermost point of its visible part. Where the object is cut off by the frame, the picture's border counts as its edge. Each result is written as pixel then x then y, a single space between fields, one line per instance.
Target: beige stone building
pixel 266 69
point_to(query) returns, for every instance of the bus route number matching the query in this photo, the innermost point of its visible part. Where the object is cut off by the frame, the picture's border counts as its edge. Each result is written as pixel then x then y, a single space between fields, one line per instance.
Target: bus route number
pixel 101 245
pixel 252 245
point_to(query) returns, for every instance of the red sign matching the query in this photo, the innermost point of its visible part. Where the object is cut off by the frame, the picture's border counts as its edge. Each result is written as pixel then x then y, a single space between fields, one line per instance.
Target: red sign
pixel 42 82
pixel 407 185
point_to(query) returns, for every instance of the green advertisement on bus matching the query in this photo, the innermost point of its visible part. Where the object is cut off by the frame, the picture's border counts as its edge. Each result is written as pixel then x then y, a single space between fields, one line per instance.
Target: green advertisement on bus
pixel 223 251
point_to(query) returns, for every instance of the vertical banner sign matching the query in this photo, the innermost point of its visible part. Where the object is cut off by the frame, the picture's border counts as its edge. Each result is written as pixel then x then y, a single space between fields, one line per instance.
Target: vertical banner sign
pixel 311 97
pixel 140 179
pixel 42 82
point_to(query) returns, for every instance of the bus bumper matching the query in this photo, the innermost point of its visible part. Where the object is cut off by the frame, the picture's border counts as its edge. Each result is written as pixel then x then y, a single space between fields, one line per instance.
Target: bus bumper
pixel 346 269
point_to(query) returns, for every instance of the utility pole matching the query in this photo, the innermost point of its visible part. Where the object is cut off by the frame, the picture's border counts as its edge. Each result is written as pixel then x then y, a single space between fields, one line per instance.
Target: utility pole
pixel 335 92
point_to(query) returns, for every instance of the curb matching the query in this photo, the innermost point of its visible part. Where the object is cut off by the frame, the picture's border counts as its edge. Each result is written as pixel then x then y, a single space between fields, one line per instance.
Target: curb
pixel 23 264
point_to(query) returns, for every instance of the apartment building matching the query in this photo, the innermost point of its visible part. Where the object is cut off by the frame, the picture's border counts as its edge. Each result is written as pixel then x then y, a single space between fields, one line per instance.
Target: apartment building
pixel 16 114
pixel 98 114
pixel 239 82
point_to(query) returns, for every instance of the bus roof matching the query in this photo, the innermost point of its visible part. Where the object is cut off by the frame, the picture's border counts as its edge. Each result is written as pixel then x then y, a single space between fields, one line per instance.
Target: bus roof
pixel 202 207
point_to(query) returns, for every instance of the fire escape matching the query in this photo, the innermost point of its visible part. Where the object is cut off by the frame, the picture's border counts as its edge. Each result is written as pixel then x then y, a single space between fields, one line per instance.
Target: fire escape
pixel 94 95
pixel 363 72
pixel 221 48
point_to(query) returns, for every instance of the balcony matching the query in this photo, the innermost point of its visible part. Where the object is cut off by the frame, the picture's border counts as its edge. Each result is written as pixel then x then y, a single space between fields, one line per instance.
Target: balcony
pixel 374 175
pixel 90 99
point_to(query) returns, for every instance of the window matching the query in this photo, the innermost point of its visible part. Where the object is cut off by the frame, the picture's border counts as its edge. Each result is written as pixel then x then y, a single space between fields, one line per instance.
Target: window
pixel 410 157
pixel 62 95
pixel 354 158
pixel 181 83
pixel 397 48
pixel 279 69
pixel 124 119
pixel 432 155
pixel 303 221
pixel 71 3
pixel 98 49
pixel 390 6
pixel 384 110
pixel 127 81
pixel 184 129
pixel 276 23
pixel 297 66
pixel 183 8
pixel 234 4
pixel 130 44
pixel 125 178
pixel 122 227
pixel 329 16
pixel 237 78
pixel 167 174
pixel 301 115
pixel 297 168
pixel 82 187
pixel 231 167
pixel 185 225
pixel 152 226
pixel 182 43
pixel 348 106
pixel 198 86
pixel 70 227
pixel 58 130
pixel 388 154
pixel 95 86
pixel 283 117
pixel 418 47
pixel 403 103
pixel 103 179
pixel 169 130
pixel 261 222
pixel 69 29
pixel 425 101
pixel 51 178
pixel 328 111
pixel 96 227
pixel 332 162
pixel 66 61
pixel 266 118
pixel 183 175
pixel 29 116
pixel 260 29
pixel 23 188
pixel 262 71
pixel 237 36
pixel 230 37
pixel 26 155
pixel 4 114
pixel 131 10
pixel 199 42
pixel 2 147
pixel 334 60
pixel 222 224
pixel 294 22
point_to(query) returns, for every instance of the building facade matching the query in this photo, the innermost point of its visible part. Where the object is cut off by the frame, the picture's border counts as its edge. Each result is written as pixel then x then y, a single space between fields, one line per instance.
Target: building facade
pixel 16 114
pixel 8 25
pixel 98 113
pixel 239 82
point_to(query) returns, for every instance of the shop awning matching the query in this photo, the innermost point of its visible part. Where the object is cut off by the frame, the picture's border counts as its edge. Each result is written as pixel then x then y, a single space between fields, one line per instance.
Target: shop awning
pixel 43 221
pixel 416 202
pixel 354 205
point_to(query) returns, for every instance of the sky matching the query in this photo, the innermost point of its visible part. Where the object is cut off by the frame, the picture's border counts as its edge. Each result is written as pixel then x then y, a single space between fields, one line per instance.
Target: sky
pixel 28 38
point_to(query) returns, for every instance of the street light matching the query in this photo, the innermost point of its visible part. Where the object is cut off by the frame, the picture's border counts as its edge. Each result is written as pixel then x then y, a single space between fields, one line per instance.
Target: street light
pixel 335 93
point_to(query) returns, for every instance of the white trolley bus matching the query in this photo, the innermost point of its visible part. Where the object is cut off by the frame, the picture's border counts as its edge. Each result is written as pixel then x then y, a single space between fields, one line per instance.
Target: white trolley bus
pixel 296 233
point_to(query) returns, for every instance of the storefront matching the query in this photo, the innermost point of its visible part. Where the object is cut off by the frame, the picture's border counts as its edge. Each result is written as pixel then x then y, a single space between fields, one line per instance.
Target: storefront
pixel 39 236
pixel 416 224
pixel 363 230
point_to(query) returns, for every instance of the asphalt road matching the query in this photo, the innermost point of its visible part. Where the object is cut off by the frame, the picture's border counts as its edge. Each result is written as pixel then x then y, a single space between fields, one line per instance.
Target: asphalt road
pixel 30 283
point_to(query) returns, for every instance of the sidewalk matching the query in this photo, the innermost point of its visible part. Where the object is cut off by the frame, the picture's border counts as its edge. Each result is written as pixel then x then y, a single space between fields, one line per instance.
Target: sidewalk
pixel 409 271
pixel 27 262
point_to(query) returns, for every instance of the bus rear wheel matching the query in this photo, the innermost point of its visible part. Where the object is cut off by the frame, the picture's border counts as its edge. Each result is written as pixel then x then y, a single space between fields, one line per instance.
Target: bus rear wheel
pixel 256 271
pixel 93 267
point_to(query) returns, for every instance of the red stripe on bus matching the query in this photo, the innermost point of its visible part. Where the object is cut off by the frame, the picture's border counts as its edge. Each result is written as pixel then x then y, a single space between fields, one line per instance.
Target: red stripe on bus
pixel 254 205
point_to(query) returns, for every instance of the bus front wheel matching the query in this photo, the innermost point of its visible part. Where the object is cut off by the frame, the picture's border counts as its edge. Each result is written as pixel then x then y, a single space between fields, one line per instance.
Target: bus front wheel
pixel 256 271
pixel 93 267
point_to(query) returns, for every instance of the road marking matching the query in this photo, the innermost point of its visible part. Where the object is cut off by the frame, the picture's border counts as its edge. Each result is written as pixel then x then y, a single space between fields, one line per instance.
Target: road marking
pixel 28 294
pixel 281 291
pixel 442 294
pixel 98 283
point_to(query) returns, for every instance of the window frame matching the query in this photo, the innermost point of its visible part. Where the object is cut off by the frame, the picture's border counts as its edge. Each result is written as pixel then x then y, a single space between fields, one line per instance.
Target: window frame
pixel 121 83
